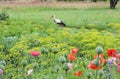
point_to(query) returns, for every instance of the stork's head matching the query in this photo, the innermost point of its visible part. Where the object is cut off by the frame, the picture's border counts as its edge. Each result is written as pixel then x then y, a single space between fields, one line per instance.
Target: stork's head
pixel 53 16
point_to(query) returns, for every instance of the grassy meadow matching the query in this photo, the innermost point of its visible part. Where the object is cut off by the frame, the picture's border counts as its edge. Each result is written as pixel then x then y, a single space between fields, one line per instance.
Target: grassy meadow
pixel 73 17
pixel 31 28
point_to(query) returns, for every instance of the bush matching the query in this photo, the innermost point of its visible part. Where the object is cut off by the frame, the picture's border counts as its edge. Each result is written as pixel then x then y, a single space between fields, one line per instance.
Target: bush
pixel 3 16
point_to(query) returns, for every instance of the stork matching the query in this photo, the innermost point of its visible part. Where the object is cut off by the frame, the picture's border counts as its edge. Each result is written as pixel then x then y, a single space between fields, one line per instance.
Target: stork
pixel 59 22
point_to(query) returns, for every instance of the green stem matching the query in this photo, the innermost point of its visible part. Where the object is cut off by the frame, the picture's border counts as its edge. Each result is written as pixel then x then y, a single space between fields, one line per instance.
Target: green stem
pixel 1 76
pixel 100 77
pixel 23 71
pixel 66 74
pixel 88 77
pixel 97 70
pixel 96 73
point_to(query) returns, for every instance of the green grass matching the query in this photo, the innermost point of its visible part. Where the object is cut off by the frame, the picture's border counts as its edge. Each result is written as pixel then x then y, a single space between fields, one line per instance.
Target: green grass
pixel 73 17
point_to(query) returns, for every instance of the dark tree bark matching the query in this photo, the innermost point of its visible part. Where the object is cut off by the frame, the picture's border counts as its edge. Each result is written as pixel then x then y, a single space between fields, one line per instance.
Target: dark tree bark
pixel 113 3
pixel 93 0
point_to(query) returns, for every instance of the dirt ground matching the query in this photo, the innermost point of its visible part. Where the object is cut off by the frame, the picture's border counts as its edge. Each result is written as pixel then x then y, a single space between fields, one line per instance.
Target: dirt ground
pixel 85 4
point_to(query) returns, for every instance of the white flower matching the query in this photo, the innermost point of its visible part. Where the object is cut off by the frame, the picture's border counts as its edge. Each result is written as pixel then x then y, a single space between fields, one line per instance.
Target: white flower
pixel 29 72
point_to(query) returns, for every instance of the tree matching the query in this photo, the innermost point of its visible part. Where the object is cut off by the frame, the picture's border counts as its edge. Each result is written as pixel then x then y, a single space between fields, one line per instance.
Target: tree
pixel 113 3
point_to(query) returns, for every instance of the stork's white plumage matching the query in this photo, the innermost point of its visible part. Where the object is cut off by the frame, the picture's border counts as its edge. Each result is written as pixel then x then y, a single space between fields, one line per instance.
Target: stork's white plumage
pixel 58 21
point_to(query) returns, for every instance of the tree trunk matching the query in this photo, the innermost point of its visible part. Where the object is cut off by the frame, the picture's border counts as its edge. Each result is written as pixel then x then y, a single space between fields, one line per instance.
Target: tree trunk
pixel 113 3
pixel 93 0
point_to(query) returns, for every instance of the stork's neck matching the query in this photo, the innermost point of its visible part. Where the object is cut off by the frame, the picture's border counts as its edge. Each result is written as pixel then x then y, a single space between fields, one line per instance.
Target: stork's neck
pixel 54 17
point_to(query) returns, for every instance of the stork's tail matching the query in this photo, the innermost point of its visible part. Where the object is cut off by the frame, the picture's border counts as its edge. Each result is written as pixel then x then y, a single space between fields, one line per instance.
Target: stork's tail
pixel 64 25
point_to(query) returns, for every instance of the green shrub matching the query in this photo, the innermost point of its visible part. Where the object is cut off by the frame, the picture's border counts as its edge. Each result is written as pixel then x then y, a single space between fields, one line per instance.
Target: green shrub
pixel 4 16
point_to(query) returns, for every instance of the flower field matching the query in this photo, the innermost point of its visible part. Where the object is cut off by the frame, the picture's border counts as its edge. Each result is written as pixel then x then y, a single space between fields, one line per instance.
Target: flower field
pixel 33 47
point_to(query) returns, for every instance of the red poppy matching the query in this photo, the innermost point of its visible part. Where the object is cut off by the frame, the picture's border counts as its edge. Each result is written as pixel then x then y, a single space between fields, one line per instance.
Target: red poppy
pixel 35 53
pixel 71 57
pixel 111 52
pixel 102 61
pixel 118 70
pixel 118 56
pixel 93 66
pixel 77 73
pixel 99 67
pixel 119 64
pixel 100 55
pixel 75 51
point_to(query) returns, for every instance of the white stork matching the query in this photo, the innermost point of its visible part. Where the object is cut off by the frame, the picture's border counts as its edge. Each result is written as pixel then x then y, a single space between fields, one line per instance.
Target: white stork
pixel 59 22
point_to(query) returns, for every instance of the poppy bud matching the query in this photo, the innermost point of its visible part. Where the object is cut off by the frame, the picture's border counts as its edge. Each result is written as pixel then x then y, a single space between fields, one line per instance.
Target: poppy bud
pixel 62 59
pixel 96 62
pixel 99 49
pixel 65 66
pixel 2 67
pixel 60 77
pixel 100 73
pixel 35 65
pixel 57 68
pixel 89 74
pixel 24 63
pixel 3 62
pixel 44 51
pixel 55 50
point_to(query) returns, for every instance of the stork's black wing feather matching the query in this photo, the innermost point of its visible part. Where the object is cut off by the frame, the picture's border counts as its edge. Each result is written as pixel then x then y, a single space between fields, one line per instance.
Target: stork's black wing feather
pixel 62 23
